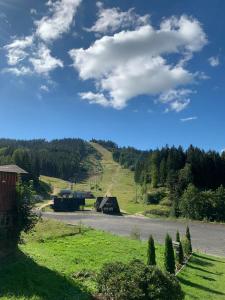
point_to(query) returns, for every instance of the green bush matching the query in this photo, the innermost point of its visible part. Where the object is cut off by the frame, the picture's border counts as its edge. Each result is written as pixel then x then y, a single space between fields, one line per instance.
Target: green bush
pixel 154 197
pixel 166 202
pixel 136 281
pixel 157 212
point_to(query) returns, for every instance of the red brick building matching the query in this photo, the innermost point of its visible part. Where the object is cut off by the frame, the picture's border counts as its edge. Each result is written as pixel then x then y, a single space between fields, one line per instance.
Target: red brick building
pixel 8 205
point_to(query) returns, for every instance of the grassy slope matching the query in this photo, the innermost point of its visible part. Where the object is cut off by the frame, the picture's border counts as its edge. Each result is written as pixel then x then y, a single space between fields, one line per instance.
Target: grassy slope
pixel 114 180
pixel 54 252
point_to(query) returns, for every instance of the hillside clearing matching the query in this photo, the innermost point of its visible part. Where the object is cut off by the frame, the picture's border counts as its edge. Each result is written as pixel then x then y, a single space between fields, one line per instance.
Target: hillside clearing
pixel 114 180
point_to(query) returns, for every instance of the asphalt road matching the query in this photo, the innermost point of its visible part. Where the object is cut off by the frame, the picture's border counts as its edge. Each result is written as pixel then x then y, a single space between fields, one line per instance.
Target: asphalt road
pixel 208 238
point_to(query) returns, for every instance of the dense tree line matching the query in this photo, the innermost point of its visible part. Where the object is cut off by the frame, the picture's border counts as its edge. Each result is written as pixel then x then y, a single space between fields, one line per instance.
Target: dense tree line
pixel 194 178
pixel 58 158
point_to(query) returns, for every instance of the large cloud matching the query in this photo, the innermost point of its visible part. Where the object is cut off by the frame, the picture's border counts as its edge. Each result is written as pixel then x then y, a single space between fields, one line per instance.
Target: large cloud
pixel 132 63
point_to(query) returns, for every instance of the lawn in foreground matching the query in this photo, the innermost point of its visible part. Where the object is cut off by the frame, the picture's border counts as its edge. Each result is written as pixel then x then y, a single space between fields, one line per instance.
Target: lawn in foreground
pixel 57 262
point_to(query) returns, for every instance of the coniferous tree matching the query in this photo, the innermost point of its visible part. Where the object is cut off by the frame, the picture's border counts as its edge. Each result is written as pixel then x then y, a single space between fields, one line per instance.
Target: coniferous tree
pixel 188 236
pixel 169 259
pixel 180 254
pixel 177 237
pixel 151 251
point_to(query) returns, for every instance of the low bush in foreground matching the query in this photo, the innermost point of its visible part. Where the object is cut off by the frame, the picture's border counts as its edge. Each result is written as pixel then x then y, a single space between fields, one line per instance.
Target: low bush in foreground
pixel 136 281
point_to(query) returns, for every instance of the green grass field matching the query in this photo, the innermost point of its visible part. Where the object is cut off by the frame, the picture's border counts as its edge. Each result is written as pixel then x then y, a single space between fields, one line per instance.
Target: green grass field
pixel 56 262
pixel 114 180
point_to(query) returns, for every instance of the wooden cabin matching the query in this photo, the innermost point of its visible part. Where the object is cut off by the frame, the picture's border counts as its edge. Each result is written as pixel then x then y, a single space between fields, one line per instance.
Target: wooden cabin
pixel 107 205
pixel 8 205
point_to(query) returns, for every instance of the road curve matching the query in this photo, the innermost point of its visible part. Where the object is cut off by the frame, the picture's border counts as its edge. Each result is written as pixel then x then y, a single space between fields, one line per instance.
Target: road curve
pixel 206 237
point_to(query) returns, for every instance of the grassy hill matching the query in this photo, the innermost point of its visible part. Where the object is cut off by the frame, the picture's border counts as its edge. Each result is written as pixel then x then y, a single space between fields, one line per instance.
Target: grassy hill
pixel 112 179
pixel 57 262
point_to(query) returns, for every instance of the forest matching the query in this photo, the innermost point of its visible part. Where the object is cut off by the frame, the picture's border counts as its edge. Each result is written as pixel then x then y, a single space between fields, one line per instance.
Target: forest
pixel 63 158
pixel 193 178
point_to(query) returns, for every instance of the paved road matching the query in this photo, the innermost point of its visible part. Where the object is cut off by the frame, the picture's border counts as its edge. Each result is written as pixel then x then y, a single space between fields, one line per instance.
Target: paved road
pixel 208 238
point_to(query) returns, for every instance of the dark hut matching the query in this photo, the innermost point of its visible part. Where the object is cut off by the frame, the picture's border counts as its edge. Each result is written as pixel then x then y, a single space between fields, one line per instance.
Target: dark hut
pixel 107 205
pixel 8 206
pixel 97 203
pixel 68 203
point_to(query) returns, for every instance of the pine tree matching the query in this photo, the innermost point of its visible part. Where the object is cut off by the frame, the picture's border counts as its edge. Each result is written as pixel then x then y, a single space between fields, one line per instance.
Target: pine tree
pixel 151 251
pixel 169 255
pixel 188 236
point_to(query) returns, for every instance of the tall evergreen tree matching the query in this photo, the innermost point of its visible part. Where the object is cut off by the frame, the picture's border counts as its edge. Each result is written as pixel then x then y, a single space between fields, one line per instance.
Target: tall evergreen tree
pixel 188 236
pixel 180 254
pixel 151 251
pixel 177 237
pixel 169 259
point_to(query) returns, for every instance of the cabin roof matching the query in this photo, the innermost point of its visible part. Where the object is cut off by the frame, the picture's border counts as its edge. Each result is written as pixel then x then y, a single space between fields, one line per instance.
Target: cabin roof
pixel 12 169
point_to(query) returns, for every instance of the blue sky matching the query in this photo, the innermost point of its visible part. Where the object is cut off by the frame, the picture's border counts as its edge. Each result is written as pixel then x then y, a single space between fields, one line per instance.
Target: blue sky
pixel 140 73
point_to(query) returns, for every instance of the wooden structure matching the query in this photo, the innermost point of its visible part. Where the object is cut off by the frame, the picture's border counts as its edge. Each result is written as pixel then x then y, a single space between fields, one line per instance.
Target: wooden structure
pixel 107 205
pixel 68 204
pixel 8 206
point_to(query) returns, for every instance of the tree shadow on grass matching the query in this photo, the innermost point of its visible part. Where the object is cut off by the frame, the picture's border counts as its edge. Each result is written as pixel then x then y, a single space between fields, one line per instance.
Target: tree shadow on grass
pixel 207 278
pixel 199 286
pixel 209 258
pixel 200 261
pixel 201 269
pixel 23 277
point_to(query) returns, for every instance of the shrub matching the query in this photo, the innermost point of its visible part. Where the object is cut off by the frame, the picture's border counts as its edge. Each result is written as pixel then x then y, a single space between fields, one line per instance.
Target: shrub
pixel 135 281
pixel 26 217
pixel 151 251
pixel 166 202
pixel 169 255
pixel 158 212
pixel 154 197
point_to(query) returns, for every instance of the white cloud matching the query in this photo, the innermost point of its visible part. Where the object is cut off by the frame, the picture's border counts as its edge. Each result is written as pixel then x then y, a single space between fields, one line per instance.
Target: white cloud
pixel 43 62
pixel 93 98
pixel 33 11
pixel 177 100
pixel 16 50
pixel 50 28
pixel 44 88
pixel 214 61
pixel 30 54
pixel 175 95
pixel 133 63
pixel 178 106
pixel 18 71
pixel 112 19
pixel 188 119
